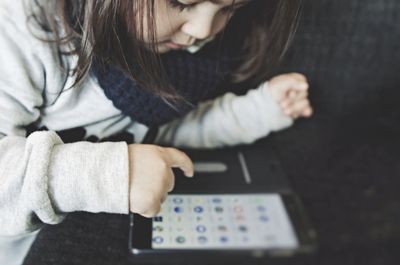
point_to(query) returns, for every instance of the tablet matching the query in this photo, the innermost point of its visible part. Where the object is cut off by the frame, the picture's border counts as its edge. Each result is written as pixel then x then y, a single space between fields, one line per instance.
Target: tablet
pixel 229 224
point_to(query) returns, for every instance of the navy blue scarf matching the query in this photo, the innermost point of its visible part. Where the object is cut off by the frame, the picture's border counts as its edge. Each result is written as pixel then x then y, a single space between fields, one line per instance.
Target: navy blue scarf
pixel 194 76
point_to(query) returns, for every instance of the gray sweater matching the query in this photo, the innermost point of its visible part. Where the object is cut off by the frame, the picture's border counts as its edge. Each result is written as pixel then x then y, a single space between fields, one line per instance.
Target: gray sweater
pixel 42 179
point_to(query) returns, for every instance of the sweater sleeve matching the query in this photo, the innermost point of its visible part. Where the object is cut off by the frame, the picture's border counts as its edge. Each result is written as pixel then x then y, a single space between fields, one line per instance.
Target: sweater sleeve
pixel 226 121
pixel 41 178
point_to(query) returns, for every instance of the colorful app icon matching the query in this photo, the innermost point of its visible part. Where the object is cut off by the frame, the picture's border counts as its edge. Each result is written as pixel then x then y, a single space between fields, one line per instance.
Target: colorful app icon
pixel 180 240
pixel 177 200
pixel 243 228
pixel 223 239
pixel 222 228
pixel 198 209
pixel 197 200
pixel 238 209
pixel 240 218
pixel 219 209
pixel 158 240
pixel 201 228
pixel 261 208
pixel 202 239
pixel 178 209
pixel 216 200
pixel 264 218
pixel 158 228
pixel 158 219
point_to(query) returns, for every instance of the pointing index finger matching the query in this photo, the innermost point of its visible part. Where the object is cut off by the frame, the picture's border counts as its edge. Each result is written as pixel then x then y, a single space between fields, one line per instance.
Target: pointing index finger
pixel 180 160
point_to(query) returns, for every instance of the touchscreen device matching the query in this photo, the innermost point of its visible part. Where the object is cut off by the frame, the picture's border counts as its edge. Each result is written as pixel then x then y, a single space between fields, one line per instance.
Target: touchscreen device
pixel 239 203
pixel 266 222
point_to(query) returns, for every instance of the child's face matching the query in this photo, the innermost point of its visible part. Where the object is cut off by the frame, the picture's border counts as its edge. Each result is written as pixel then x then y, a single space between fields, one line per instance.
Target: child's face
pixel 180 23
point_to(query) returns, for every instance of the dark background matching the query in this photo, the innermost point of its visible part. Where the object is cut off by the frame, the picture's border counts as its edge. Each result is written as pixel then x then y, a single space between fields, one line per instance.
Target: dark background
pixel 343 162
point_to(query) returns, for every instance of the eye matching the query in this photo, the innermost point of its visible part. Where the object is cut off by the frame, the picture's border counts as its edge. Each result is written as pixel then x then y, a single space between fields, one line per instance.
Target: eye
pixel 227 10
pixel 179 5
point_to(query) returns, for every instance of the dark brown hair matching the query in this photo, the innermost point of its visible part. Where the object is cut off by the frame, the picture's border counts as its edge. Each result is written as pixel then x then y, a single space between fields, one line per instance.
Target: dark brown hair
pixel 107 31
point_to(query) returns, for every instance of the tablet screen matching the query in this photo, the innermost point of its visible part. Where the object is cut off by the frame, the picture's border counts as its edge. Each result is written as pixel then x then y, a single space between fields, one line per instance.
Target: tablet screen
pixel 223 222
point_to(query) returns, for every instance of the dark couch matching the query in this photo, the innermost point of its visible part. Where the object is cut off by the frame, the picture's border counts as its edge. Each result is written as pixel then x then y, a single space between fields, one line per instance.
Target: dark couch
pixel 344 162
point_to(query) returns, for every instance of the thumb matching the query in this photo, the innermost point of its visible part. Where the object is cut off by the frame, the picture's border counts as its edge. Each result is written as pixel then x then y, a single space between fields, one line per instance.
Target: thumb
pixel 180 160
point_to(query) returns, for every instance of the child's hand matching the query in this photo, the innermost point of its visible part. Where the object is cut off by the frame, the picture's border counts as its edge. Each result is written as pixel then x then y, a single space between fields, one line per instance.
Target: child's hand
pixel 290 91
pixel 151 176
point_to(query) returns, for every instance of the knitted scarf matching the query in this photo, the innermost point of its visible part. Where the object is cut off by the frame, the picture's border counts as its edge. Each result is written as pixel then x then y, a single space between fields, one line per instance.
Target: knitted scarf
pixel 194 76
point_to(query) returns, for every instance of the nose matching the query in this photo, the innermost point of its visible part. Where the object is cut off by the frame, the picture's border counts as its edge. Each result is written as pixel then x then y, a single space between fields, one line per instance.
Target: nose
pixel 199 26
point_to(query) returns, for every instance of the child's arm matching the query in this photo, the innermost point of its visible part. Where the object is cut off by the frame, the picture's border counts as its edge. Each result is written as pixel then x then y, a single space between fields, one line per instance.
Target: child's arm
pixel 40 177
pixel 231 119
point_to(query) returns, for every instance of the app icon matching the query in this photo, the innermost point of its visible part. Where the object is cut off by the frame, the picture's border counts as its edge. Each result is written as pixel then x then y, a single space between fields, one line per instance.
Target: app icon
pixel 198 209
pixel 261 208
pixel 238 209
pixel 158 219
pixel 202 239
pixel 223 239
pixel 158 228
pixel 158 239
pixel 180 239
pixel 219 209
pixel 178 209
pixel 240 218
pixel 197 200
pixel 216 200
pixel 222 228
pixel 201 228
pixel 177 200
pixel 264 218
pixel 243 228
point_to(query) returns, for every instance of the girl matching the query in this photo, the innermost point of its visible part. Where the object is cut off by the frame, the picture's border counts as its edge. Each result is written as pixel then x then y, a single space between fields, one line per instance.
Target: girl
pixel 82 82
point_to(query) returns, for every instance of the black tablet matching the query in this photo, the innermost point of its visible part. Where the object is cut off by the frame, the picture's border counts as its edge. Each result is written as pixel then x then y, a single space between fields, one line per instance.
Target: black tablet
pixel 238 204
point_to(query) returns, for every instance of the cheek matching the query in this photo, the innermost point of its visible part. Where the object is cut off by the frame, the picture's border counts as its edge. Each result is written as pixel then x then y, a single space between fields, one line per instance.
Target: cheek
pixel 167 22
pixel 165 28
